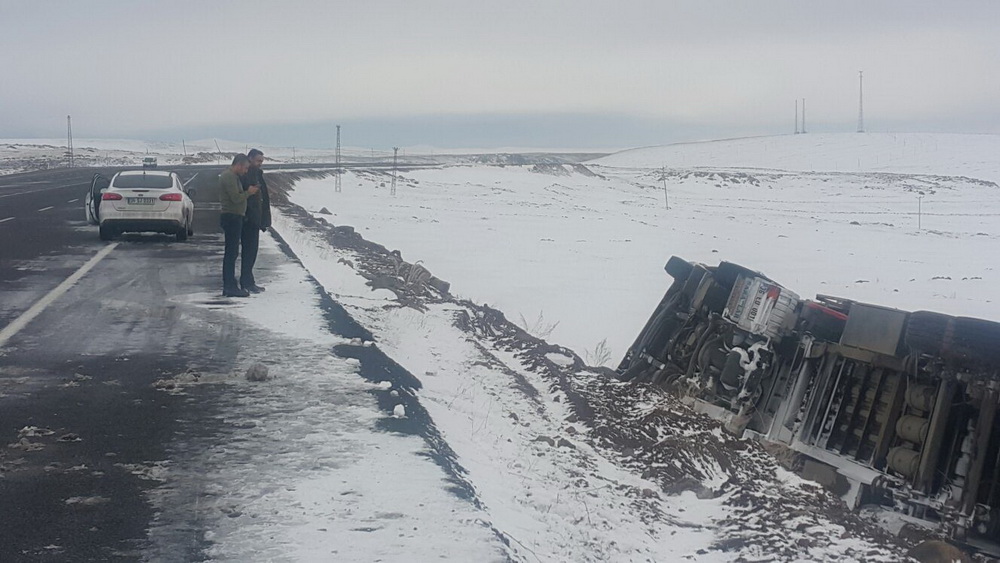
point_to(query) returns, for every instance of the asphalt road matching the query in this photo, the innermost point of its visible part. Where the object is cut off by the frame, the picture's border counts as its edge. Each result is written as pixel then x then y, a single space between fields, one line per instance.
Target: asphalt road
pixel 88 330
pixel 82 370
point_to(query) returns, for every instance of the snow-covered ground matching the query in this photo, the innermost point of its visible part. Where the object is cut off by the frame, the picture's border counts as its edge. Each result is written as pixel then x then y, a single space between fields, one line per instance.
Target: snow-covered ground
pixel 300 469
pixel 552 481
pixel 317 465
pixel 578 252
pixel 22 155
pixel 906 153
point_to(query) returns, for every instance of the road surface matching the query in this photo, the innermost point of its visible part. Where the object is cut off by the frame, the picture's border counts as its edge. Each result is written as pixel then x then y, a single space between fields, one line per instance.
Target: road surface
pixel 83 367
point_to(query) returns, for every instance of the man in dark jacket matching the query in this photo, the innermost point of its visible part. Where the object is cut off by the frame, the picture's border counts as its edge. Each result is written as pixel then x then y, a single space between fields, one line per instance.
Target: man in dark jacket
pixel 258 219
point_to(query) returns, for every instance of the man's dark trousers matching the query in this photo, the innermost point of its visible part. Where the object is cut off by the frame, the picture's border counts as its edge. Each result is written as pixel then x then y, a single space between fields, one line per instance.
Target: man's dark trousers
pixel 232 226
pixel 250 239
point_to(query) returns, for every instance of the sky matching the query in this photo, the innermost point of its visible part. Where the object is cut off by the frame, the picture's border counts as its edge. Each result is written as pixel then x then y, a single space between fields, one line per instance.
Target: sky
pixel 543 73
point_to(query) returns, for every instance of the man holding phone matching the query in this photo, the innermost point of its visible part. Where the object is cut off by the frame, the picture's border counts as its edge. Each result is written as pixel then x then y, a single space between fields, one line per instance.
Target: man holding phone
pixel 233 203
pixel 258 219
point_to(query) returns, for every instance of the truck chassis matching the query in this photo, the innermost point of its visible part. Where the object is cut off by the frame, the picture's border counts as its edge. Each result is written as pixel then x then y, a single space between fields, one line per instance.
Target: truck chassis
pixel 898 407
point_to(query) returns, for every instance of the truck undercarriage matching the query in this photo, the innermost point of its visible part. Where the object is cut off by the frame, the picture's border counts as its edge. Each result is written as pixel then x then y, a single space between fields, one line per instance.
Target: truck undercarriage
pixel 901 407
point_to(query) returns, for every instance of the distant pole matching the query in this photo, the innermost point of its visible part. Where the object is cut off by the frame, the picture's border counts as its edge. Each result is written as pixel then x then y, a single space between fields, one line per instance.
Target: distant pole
pixel 666 196
pixel 796 117
pixel 69 139
pixel 803 115
pixel 861 102
pixel 218 148
pixel 395 152
pixel 338 171
pixel 184 147
pixel 920 199
pixel 293 155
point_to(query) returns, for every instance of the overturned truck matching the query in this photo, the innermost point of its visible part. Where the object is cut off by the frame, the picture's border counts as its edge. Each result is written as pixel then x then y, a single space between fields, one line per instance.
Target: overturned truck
pixel 899 408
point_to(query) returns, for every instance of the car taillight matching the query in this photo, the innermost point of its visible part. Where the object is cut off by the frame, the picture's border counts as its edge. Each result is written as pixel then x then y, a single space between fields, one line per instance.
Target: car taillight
pixel 110 195
pixel 170 197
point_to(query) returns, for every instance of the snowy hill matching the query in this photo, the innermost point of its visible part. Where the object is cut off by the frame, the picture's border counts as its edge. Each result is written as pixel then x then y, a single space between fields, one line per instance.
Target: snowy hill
pixel 911 153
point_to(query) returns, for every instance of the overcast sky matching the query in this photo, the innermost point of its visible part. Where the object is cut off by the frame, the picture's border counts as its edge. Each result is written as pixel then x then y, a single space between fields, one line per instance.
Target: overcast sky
pixel 539 73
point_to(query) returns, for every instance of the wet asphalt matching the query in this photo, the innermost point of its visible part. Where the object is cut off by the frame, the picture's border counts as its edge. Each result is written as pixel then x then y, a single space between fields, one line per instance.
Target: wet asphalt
pixel 82 372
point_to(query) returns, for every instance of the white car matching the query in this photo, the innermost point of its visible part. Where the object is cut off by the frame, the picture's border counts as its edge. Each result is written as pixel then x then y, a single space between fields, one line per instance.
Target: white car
pixel 141 201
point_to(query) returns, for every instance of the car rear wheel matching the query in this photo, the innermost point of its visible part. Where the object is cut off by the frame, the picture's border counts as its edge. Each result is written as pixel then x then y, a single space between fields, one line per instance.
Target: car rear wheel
pixel 107 233
pixel 182 234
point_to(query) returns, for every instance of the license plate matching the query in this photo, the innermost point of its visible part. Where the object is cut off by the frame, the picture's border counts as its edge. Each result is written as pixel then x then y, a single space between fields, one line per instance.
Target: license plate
pixel 140 200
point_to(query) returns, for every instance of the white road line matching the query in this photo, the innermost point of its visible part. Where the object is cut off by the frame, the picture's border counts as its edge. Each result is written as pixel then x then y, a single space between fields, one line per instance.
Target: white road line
pixel 39 306
pixel 7 219
pixel 43 190
pixel 191 178
pixel 45 208
pixel 26 183
pixel 73 200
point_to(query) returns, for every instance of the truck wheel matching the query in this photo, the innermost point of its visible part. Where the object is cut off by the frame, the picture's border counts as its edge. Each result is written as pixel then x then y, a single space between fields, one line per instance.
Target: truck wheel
pixel 727 273
pixel 925 332
pixel 678 268
pixel 107 233
pixel 975 340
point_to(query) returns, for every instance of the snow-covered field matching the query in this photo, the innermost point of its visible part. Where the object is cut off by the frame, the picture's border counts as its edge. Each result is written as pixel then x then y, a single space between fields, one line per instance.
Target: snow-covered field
pixel 23 155
pixel 549 479
pixel 578 252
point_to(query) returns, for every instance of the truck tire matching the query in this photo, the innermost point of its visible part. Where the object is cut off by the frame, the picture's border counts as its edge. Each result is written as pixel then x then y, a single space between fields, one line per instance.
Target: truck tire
pixel 727 273
pixel 963 339
pixel 678 268
pixel 926 331
pixel 974 340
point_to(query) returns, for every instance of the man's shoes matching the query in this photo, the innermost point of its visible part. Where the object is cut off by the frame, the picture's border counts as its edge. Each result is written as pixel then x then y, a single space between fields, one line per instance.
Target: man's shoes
pixel 235 292
pixel 254 288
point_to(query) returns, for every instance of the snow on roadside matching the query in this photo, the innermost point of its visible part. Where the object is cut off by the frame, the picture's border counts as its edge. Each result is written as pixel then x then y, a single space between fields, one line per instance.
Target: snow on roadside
pixel 553 498
pixel 550 486
pixel 304 469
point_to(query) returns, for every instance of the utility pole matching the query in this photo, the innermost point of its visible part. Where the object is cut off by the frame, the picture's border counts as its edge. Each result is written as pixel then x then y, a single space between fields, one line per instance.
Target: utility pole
pixel 796 117
pixel 293 155
pixel 184 147
pixel 395 152
pixel 861 102
pixel 803 115
pixel 666 196
pixel 69 139
pixel 339 171
pixel 920 199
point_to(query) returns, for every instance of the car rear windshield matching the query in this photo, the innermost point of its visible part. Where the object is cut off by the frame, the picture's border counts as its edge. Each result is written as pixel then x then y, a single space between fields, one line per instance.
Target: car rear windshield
pixel 144 181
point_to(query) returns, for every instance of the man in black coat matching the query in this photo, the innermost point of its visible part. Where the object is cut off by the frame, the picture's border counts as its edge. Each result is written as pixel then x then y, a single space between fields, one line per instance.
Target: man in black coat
pixel 258 219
